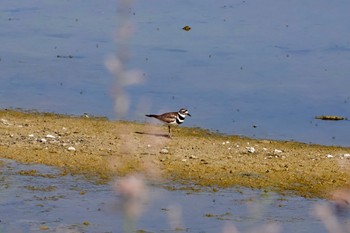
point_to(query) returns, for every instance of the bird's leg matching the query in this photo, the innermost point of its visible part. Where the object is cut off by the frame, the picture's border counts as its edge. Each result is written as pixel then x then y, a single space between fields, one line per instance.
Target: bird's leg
pixel 169 131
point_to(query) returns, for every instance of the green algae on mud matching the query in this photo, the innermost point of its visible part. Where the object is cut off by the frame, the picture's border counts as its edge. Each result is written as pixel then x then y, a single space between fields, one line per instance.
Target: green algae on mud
pixel 100 148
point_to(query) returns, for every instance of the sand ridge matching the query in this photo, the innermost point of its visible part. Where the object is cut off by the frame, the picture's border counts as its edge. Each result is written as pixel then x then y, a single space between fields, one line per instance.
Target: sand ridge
pixel 98 147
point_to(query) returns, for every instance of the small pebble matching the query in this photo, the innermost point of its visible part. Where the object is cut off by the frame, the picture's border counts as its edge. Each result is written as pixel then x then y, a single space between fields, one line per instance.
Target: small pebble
pixel 31 135
pixel 43 140
pixel 346 155
pixel 330 156
pixel 71 148
pixel 50 136
pixel 164 151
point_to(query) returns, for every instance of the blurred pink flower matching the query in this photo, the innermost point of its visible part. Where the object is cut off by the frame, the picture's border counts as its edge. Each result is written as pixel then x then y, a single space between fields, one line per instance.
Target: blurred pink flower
pixel 133 193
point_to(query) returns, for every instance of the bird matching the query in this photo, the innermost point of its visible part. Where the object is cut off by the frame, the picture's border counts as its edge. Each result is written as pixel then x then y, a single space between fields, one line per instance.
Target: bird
pixel 172 118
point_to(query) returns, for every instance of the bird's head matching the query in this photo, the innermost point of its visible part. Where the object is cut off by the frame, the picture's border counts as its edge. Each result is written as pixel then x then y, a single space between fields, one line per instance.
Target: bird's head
pixel 184 111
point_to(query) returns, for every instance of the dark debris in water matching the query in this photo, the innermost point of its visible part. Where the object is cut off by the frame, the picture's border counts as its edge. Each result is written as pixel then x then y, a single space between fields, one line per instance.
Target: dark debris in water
pixel 186 28
pixel 330 118
pixel 65 56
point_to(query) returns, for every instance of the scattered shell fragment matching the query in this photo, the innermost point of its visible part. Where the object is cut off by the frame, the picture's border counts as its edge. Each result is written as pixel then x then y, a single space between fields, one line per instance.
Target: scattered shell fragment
pixel 250 149
pixel 164 151
pixel 330 156
pixel 71 148
pixel 50 136
pixel 43 140
pixel 276 151
pixel 31 135
pixel 346 155
pixel 4 121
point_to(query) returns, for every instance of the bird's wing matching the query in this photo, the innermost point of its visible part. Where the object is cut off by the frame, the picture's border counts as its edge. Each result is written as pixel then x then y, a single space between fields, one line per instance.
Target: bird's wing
pixel 169 116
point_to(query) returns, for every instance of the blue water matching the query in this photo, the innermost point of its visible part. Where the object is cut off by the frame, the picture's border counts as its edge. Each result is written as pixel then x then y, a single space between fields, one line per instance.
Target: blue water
pixel 63 203
pixel 270 64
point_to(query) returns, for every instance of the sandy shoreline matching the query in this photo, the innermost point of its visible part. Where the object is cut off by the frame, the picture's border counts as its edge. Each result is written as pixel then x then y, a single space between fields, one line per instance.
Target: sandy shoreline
pixel 103 148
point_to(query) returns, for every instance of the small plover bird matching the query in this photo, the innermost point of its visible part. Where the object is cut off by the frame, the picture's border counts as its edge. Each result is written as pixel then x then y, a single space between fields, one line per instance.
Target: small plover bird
pixel 172 118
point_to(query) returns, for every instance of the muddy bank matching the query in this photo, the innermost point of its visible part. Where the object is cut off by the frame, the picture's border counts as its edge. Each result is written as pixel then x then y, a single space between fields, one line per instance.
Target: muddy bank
pixel 101 148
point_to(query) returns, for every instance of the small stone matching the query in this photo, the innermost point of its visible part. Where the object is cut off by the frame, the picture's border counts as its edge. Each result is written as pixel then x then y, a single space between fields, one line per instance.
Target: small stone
pixel 330 156
pixel 43 140
pixel 164 151
pixel 250 149
pixel 31 135
pixel 50 136
pixel 183 160
pixel 71 148
pixel 346 155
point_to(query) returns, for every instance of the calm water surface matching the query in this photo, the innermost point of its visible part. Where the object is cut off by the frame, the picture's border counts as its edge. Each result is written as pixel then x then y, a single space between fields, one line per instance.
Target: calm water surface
pixel 270 64
pixel 30 201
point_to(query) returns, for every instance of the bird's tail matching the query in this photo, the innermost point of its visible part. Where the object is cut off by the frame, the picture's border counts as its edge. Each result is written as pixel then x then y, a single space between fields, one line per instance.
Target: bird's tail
pixel 152 115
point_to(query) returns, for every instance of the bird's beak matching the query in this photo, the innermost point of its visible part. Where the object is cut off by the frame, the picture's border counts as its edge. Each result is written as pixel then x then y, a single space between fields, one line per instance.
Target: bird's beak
pixel 188 114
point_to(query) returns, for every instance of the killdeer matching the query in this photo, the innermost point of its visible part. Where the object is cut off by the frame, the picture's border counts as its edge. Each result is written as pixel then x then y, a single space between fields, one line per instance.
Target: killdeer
pixel 172 118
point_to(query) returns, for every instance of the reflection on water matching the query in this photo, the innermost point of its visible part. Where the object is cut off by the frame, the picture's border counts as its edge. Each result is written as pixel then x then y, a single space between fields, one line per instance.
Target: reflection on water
pixel 36 197
pixel 272 65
